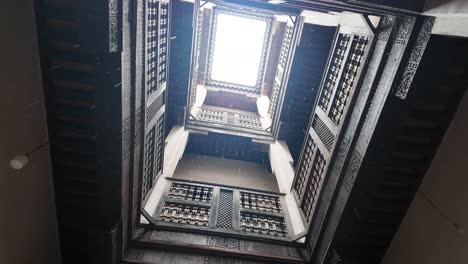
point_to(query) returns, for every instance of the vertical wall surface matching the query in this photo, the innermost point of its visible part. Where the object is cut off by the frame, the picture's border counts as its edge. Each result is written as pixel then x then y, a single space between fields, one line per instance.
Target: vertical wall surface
pixel 451 16
pixel 28 225
pixel 446 6
pixel 435 228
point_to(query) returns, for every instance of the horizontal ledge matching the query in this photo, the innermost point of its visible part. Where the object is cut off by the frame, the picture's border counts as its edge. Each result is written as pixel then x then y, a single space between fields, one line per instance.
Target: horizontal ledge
pixel 188 202
pixel 206 230
pixel 197 249
pixel 225 186
pixel 259 212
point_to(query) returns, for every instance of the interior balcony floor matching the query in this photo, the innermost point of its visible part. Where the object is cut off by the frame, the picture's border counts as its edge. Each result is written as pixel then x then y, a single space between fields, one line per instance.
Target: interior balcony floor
pixel 235 173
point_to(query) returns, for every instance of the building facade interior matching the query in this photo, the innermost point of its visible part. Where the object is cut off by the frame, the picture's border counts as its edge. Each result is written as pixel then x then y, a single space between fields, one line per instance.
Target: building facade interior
pixel 234 131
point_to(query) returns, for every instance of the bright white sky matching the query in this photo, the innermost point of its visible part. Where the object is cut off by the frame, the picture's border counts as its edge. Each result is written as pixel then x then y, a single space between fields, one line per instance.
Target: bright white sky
pixel 237 50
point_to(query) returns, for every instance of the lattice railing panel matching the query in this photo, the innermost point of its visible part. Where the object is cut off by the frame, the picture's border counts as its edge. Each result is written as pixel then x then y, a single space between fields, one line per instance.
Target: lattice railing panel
pixel 152 10
pixel 163 41
pixel 196 62
pixel 185 214
pixel 260 202
pixel 153 108
pixel 231 118
pixel 283 57
pixel 323 132
pixel 313 184
pixel 159 148
pixel 334 69
pixel 150 143
pixel 348 78
pixel 285 46
pixel 248 121
pixel 225 209
pixel 157 34
pixel 190 192
pixel 338 84
pixel 263 224
pixel 304 167
pixel 273 99
pixel 210 115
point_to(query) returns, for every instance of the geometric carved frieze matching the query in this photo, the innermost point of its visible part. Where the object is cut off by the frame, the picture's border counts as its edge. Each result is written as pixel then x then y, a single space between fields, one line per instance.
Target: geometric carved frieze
pixel 385 28
pixel 223 242
pixel 352 170
pixel 404 30
pixel 415 58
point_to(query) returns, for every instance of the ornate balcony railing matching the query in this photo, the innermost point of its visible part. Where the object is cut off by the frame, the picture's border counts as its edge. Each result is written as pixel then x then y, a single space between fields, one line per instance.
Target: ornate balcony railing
pixel 219 119
pixel 222 209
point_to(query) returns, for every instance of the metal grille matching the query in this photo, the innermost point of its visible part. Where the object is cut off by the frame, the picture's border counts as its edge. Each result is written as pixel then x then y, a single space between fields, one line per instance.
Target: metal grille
pixel 306 162
pixel 147 183
pixel 225 209
pixel 334 69
pixel 188 192
pixel 163 42
pixel 263 224
pixel 348 78
pixel 154 107
pixel 185 214
pixel 323 132
pixel 315 178
pixel 151 45
pixel 260 202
